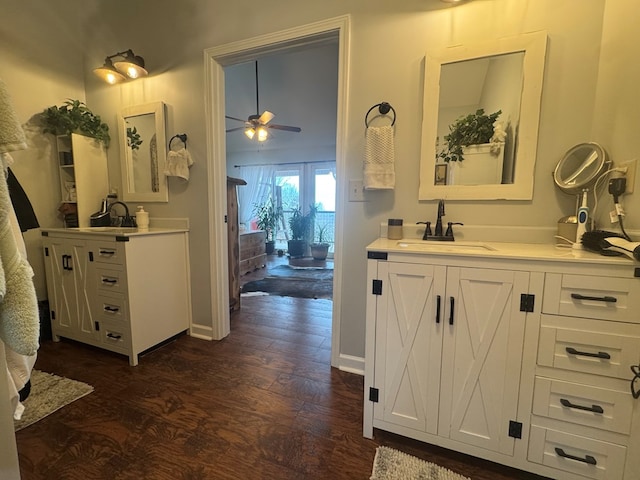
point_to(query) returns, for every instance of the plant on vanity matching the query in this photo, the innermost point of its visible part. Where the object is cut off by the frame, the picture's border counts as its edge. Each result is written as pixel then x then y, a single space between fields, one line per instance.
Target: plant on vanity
pixel 474 129
pixel 73 116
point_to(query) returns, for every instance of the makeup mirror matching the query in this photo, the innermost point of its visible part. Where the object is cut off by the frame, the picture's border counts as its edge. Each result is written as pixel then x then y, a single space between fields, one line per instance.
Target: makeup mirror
pixel 142 137
pixel 503 75
pixel 580 167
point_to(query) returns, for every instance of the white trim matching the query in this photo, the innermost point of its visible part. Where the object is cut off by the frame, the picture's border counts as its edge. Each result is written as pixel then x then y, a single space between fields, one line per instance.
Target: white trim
pixel 217 57
pixel 351 364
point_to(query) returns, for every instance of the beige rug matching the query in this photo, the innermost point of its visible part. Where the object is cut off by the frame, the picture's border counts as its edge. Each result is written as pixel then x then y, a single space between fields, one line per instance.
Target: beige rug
pixel 49 393
pixel 390 464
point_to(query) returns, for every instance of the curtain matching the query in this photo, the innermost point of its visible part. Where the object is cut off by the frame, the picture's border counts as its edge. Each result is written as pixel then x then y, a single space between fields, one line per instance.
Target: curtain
pixel 257 190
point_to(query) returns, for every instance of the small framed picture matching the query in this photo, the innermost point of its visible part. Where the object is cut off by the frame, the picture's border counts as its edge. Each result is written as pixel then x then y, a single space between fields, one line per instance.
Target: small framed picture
pixel 441 174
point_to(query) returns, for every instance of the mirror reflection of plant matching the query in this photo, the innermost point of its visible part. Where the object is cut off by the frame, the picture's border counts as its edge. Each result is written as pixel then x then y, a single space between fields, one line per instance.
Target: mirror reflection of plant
pixel 473 129
pixel 73 116
pixel 133 138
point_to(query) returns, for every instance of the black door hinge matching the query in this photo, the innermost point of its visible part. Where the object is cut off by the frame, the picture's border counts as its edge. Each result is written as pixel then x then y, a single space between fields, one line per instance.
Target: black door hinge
pixel 636 272
pixel 377 255
pixel 226 220
pixel 527 302
pixel 373 394
pixel 97 326
pixel 515 429
pixel 376 288
pixel 46 251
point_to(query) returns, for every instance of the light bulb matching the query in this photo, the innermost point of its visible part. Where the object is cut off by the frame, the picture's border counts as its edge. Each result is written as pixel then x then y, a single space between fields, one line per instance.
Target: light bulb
pixel 262 134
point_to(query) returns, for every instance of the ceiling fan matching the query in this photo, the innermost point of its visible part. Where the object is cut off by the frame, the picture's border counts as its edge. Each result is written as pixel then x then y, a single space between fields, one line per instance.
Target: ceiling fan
pixel 259 123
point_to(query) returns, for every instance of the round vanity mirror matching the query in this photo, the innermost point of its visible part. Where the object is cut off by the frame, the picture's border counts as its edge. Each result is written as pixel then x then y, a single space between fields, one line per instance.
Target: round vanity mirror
pixel 580 167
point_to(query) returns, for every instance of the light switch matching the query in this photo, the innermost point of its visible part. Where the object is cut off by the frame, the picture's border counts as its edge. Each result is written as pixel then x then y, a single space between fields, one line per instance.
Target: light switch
pixel 356 191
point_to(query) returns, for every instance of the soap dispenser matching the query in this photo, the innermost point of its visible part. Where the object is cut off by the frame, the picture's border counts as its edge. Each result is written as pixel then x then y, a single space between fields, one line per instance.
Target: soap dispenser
pixel 142 218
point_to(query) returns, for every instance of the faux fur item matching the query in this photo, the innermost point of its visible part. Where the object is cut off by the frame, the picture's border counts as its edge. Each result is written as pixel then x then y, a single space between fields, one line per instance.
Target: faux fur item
pixel 11 134
pixel 19 318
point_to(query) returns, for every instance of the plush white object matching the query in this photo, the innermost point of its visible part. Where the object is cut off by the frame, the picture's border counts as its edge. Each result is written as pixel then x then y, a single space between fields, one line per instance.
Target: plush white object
pixel 379 160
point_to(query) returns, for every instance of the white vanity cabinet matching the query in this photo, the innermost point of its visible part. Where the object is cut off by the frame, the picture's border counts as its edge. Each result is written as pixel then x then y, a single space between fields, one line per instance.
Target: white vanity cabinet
pixel 448 348
pixel 519 355
pixel 126 291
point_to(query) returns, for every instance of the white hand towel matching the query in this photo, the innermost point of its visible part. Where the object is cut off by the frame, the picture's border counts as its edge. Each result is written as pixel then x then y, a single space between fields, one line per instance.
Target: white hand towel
pixel 379 161
pixel 11 134
pixel 178 163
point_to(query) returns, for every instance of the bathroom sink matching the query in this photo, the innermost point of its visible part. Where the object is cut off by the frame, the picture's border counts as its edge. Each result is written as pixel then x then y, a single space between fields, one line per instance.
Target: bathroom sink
pixel 435 246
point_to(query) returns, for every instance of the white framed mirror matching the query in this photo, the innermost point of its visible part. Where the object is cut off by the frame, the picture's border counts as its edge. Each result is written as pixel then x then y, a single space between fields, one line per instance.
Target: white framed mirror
pixel 143 153
pixel 503 75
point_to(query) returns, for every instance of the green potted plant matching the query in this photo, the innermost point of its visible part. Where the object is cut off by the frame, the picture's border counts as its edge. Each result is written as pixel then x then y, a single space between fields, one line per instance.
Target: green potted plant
pixel 320 248
pixel 267 215
pixel 473 129
pixel 300 225
pixel 73 116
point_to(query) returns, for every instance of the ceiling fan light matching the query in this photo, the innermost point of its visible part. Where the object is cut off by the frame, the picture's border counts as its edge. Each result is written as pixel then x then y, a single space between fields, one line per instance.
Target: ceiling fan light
pixel 108 73
pixel 250 132
pixel 263 134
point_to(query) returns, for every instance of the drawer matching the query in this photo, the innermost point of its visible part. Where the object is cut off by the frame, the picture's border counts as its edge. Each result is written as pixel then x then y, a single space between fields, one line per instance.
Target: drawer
pixel 112 309
pixel 110 280
pixel 583 404
pixel 109 252
pixel 592 297
pixel 114 338
pixel 584 456
pixel 589 346
pixel 250 252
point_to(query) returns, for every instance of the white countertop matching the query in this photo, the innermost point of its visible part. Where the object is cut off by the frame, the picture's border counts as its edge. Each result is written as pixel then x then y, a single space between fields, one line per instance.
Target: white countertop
pixel 521 251
pixel 115 231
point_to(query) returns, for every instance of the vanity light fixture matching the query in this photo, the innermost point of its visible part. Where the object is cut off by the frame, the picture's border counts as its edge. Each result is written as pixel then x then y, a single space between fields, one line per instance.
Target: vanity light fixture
pixel 127 66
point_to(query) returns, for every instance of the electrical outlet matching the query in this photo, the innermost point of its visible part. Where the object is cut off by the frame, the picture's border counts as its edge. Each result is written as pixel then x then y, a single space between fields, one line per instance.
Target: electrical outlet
pixel 356 191
pixel 630 174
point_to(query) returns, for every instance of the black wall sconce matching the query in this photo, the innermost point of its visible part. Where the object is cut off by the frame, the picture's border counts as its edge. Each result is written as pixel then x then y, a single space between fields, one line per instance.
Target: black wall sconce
pixel 127 66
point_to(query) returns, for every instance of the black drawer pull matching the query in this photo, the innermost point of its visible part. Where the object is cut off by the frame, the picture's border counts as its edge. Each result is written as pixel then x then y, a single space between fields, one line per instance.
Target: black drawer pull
pixel 109 308
pixel 114 336
pixel 438 301
pixel 108 253
pixel 606 298
pixel 592 408
pixel 111 281
pixel 573 351
pixel 587 458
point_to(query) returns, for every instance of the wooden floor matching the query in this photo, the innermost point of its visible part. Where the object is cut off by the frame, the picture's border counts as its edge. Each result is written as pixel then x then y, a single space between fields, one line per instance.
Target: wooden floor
pixel 263 403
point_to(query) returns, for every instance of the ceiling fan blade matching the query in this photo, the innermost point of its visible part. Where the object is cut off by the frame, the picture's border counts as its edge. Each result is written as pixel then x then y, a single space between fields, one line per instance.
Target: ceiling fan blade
pixel 234 118
pixel 235 129
pixel 288 128
pixel 266 117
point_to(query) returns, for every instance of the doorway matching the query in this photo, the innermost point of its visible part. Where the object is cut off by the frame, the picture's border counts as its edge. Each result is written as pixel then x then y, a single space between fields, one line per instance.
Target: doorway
pixel 216 58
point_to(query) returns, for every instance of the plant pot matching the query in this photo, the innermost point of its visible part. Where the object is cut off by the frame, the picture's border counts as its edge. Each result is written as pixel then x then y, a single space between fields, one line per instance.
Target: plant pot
pixel 270 247
pixel 296 248
pixel 319 251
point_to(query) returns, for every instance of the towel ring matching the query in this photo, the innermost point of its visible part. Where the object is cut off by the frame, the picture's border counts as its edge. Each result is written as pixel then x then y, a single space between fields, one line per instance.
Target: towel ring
pixel 181 136
pixel 384 109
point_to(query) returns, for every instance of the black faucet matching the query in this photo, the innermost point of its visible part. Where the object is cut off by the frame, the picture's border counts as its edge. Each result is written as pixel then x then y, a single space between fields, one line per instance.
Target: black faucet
pixel 438 231
pixel 128 220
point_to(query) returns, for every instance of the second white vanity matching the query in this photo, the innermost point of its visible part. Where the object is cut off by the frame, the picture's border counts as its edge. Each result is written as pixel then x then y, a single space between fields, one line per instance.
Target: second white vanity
pixel 121 289
pixel 516 353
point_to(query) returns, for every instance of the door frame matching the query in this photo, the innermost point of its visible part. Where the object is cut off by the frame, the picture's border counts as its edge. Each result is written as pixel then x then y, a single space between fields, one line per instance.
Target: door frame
pixel 215 59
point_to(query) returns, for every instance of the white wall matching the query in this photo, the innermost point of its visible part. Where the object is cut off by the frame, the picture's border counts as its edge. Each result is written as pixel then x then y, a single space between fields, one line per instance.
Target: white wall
pixel 583 99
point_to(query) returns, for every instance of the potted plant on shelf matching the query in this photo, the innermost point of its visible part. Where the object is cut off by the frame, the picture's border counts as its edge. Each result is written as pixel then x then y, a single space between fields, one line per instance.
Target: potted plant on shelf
pixel 473 129
pixel 73 116
pixel 300 225
pixel 267 215
pixel 320 249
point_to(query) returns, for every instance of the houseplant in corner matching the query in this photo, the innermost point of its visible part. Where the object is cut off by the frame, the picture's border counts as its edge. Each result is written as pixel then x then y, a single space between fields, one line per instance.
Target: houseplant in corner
pixel 300 225
pixel 320 249
pixel 73 116
pixel 267 215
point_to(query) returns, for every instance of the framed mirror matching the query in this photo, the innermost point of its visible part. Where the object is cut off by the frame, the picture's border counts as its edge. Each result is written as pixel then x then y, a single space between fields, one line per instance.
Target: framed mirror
pixel 499 83
pixel 143 153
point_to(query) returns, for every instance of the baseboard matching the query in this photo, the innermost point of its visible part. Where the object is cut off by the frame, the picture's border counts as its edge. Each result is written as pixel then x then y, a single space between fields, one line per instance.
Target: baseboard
pixel 351 364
